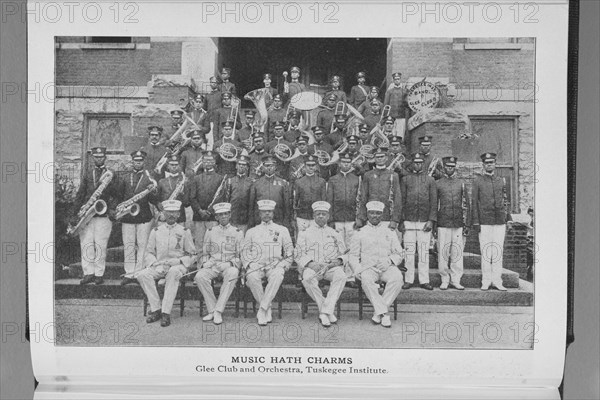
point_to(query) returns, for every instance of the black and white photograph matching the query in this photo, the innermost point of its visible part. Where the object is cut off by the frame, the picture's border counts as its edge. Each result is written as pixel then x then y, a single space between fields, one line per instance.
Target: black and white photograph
pixel 295 192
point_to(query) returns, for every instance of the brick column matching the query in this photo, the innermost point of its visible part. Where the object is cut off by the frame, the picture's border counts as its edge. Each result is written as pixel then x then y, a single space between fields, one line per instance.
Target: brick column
pixel 199 60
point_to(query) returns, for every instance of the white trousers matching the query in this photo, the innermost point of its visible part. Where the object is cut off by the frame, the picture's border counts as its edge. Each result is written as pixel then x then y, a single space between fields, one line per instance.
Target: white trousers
pixel 147 279
pixel 336 276
pixel 203 280
pixel 254 281
pixel 199 229
pixel 450 250
pixel 491 243
pixel 399 127
pixel 346 229
pixel 416 241
pixel 135 238
pixel 94 243
pixel 393 285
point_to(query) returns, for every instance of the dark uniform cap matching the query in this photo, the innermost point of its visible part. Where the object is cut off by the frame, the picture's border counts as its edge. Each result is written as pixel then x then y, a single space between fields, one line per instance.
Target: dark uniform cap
pixel 277 97
pixel 381 151
pixel 278 124
pixel 138 155
pixel 374 89
pixel 352 139
pixel 374 102
pixel 173 160
pixel 295 69
pixel 225 70
pixel 450 161
pixel 258 136
pixel 295 115
pixel 225 95
pixel 249 113
pixel 389 119
pixel 302 139
pixel 384 146
pixel 227 124
pixel 176 114
pixel 155 129
pixel 332 97
pixel 425 139
pixel 363 127
pixel 396 75
pixel 208 153
pixel 317 129
pixel 418 157
pixel 98 151
pixel 335 78
pixel 197 133
pixel 340 118
pixel 395 140
pixel 345 157
pixel 200 97
pixel 485 157
pixel 310 160
pixel 267 76
pixel 361 74
pixel 244 160
pixel 269 159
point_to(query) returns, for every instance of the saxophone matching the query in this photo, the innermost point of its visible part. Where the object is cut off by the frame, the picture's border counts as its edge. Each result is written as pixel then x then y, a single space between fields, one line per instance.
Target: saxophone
pixel 130 206
pixel 433 166
pixel 93 206
pixel 178 189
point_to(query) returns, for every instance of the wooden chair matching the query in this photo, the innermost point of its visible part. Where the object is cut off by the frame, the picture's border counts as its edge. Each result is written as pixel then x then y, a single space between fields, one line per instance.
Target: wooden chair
pixel 160 286
pixel 216 285
pixel 362 297
pixel 307 300
pixel 245 295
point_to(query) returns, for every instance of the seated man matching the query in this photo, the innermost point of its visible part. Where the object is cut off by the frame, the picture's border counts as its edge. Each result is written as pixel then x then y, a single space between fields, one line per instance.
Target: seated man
pixel 169 253
pixel 321 253
pixel 220 256
pixel 375 253
pixel 268 251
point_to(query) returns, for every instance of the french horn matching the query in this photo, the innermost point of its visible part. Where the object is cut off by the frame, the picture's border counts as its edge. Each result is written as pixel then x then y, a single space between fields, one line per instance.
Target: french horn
pixel 283 152
pixel 228 152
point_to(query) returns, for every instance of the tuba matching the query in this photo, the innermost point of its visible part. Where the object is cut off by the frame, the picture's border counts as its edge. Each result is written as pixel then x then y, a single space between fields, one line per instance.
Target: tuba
pixel 228 152
pixel 130 206
pixel 94 206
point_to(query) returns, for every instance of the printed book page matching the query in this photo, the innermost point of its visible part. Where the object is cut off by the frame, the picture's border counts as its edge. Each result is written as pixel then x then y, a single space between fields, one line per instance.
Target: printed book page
pixel 316 200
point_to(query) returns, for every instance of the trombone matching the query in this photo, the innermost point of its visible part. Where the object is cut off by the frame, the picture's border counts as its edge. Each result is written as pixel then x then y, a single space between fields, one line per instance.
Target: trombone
pixel 340 107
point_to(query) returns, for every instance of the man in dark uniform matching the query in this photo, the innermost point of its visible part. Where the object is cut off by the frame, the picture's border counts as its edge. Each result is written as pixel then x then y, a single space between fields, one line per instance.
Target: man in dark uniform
pixel 336 137
pixel 491 212
pixel 397 150
pixel 94 236
pixel 359 92
pixel 358 168
pixel 395 97
pixel 419 213
pixel 154 150
pixel 297 164
pixel 223 114
pixel 271 147
pixel 305 192
pixel 293 133
pixel 343 193
pixel 177 119
pixel 271 90
pixel 213 98
pixel 225 85
pixel 256 155
pixel 321 145
pixel 193 153
pixel 237 193
pixel 224 166
pixel 431 164
pixel 381 184
pixel 326 115
pixel 335 85
pixel 364 134
pixel 136 229
pixel 172 181
pixel 276 113
pixel 271 187
pixel 199 113
pixel 373 95
pixel 372 115
pixel 245 134
pixel 294 87
pixel 453 224
pixel 204 192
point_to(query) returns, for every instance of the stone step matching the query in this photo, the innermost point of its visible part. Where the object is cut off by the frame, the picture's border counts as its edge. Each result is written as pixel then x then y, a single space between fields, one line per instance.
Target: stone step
pixel 471 277
pixel 111 289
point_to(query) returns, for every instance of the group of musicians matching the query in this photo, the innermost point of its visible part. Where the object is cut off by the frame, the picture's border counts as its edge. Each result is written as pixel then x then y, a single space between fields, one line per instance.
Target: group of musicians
pixel 256 213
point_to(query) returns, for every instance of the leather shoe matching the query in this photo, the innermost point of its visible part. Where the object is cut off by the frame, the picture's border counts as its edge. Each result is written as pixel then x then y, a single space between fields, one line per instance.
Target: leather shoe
pixel 332 318
pixel 218 319
pixel 386 322
pixel 99 280
pixel 87 279
pixel 499 287
pixel 485 287
pixel 127 281
pixel 165 320
pixel 208 317
pixel 376 319
pixel 407 285
pixel 153 317
pixel 324 320
pixel 261 315
pixel 457 286
pixel 269 315
pixel 427 286
pixel 444 286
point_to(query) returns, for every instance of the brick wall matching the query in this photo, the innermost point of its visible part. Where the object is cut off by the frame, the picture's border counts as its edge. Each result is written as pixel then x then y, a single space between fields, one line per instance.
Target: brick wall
pixel 419 58
pixel 165 58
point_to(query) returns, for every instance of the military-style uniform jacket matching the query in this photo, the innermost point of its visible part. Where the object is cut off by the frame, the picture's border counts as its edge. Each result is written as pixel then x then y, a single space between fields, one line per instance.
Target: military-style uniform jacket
pixel 453 202
pixel 396 98
pixel 319 244
pixel 325 118
pixel 244 134
pixel 189 157
pixel 375 247
pixel 366 105
pixel 438 169
pixel 292 135
pixel 274 115
pixel 237 192
pixel 341 95
pixel 213 101
pixel 378 184
pixel 271 188
pixel 227 87
pixel 170 241
pixel 167 185
pixel 490 200
pixel 269 97
pixel 255 161
pixel 307 190
pixel 90 182
pixel 132 183
pixel 222 244
pixel 358 94
pixel 371 119
pixel 272 242
pixel 153 154
pixel 324 171
pixel 419 197
pixel 343 195
pixel 226 167
pixel 203 191
pixel 334 138
pixel 219 116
